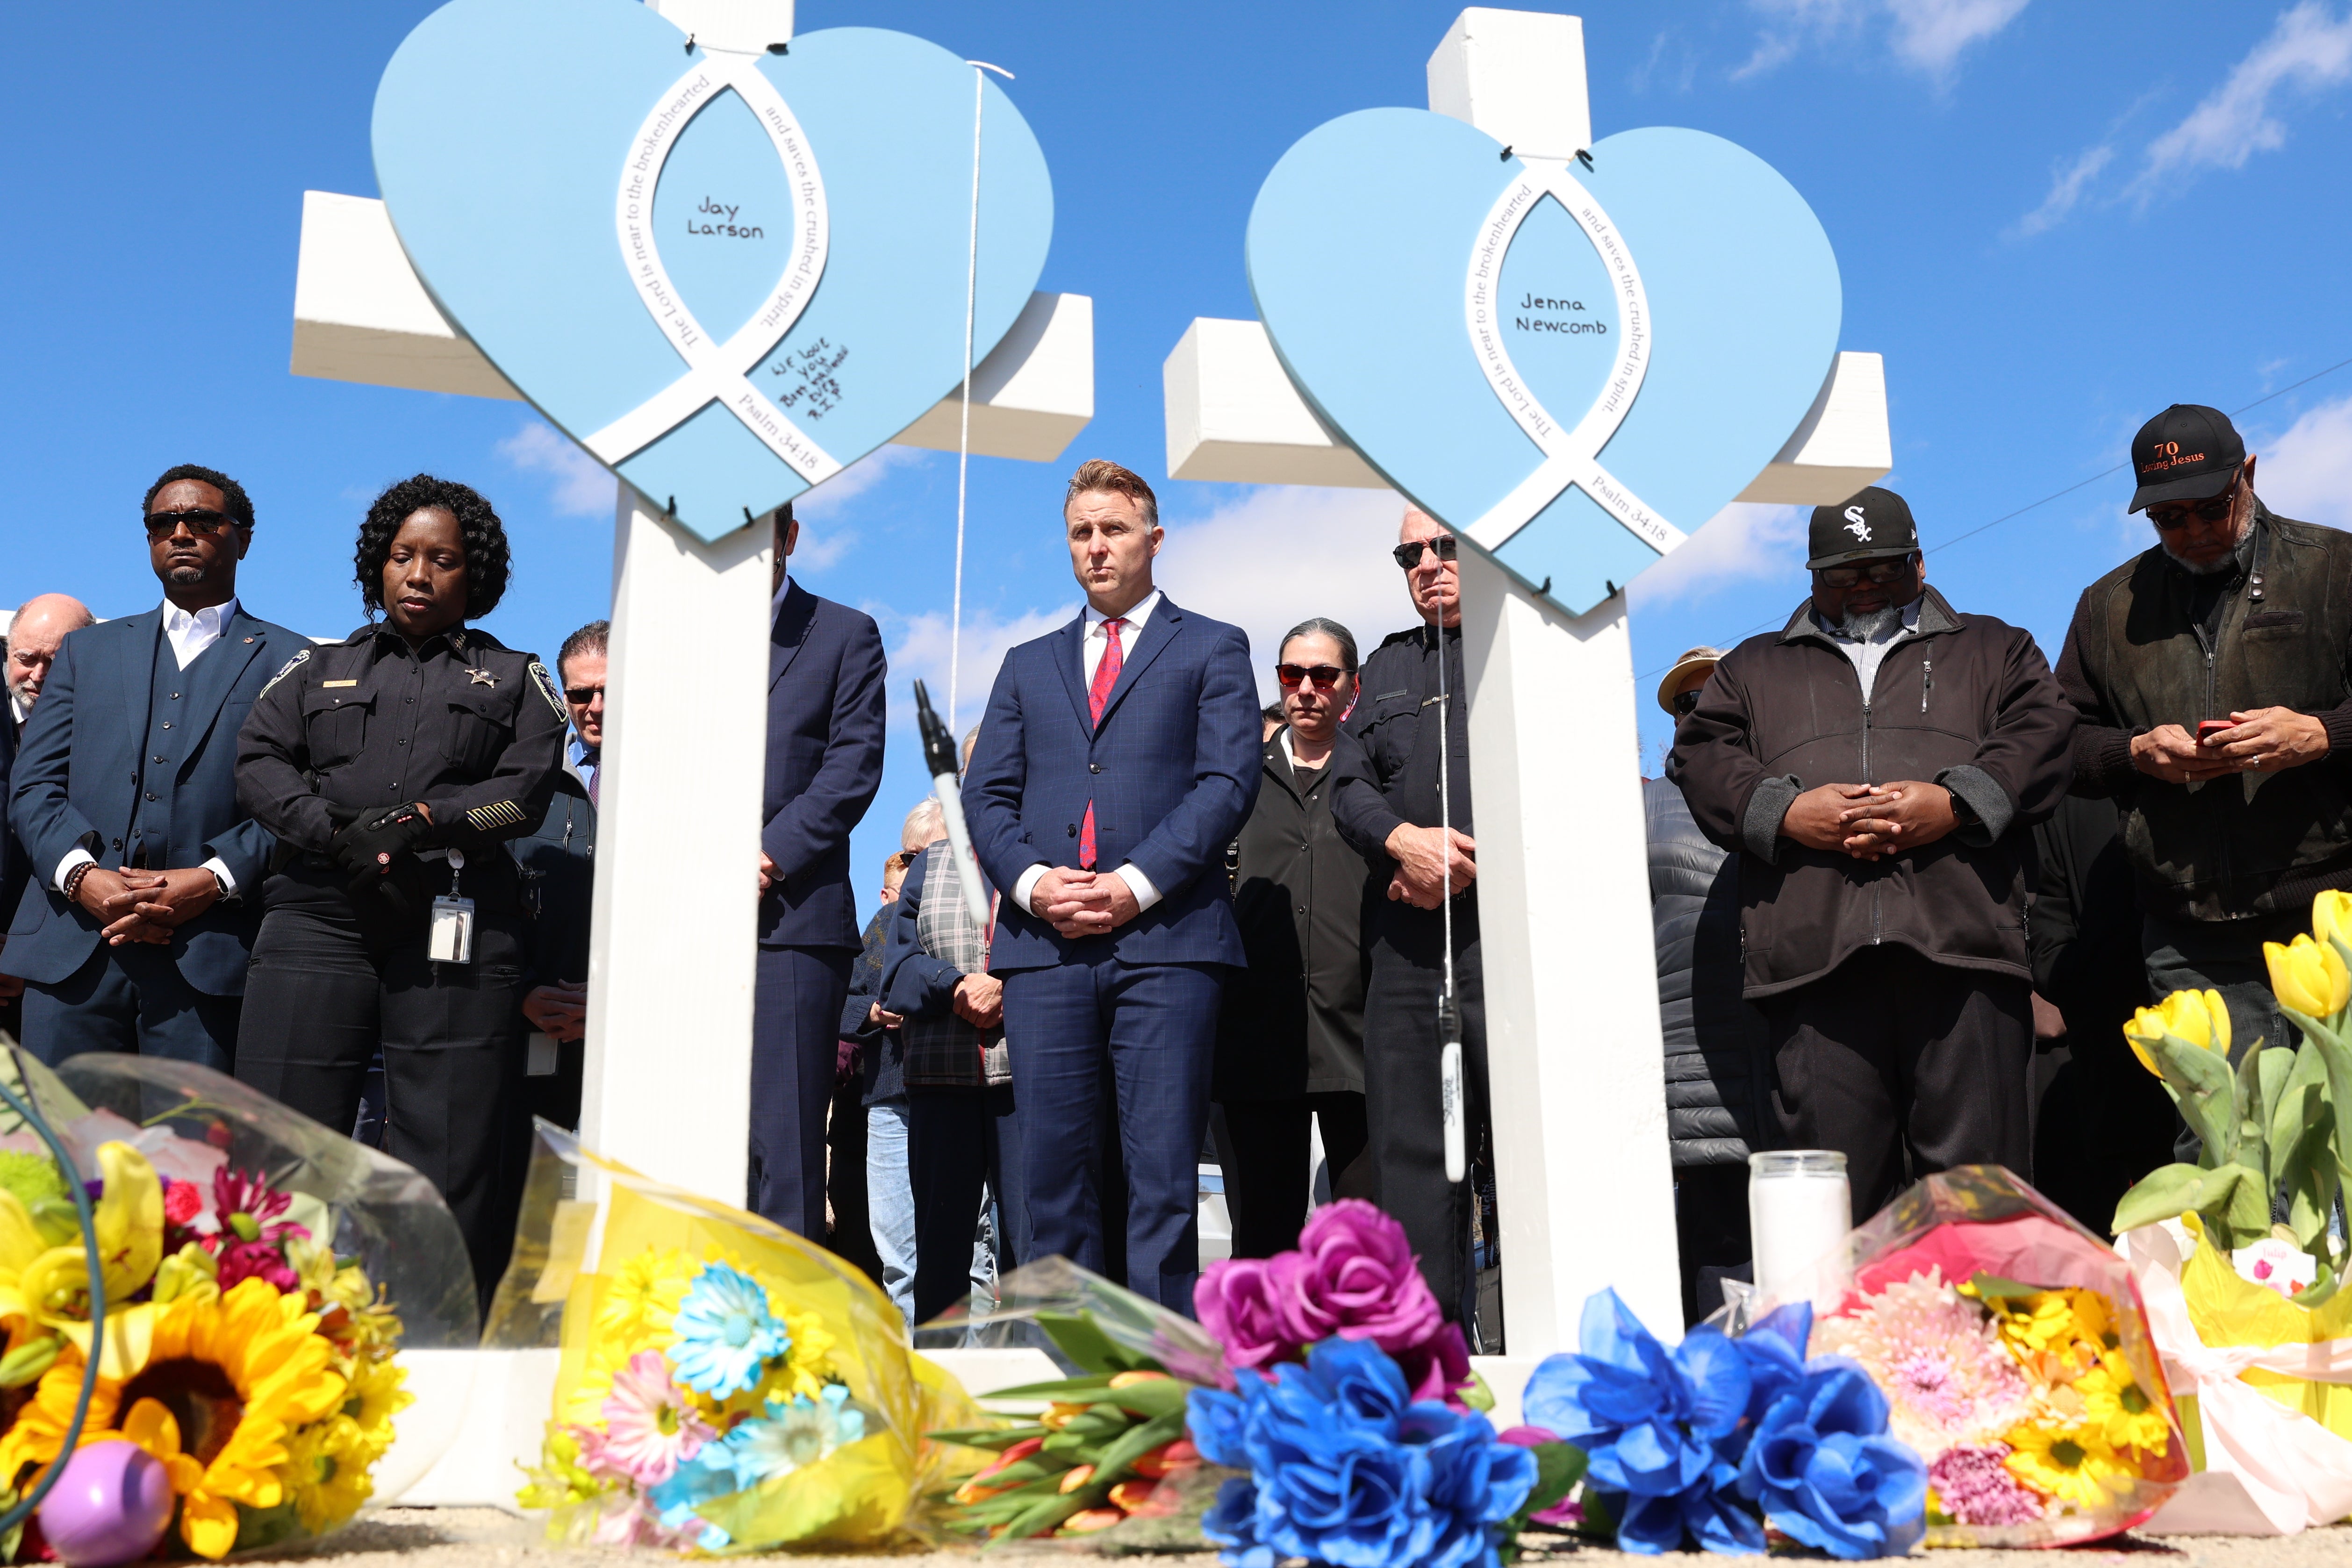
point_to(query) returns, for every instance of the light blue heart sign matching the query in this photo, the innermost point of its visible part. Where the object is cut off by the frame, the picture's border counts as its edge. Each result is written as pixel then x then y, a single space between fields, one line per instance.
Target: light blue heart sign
pixel 1572 366
pixel 728 276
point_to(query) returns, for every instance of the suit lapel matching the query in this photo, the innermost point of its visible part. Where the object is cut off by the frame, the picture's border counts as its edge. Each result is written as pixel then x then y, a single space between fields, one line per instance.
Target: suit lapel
pixel 141 635
pixel 1156 634
pixel 1070 662
pixel 791 630
pixel 215 673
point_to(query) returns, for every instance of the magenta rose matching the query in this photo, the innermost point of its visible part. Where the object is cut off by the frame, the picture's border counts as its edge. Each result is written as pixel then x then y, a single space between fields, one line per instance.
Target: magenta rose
pixel 1567 1513
pixel 1356 1278
pixel 1437 1367
pixel 1240 1301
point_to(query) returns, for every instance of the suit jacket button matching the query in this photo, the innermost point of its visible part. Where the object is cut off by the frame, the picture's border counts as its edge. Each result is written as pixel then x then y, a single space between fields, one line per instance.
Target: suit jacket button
pixel 1074 829
pixel 1094 767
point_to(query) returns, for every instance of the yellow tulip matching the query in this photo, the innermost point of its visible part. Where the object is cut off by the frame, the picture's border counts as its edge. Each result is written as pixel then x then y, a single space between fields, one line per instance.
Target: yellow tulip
pixel 2331 915
pixel 2308 977
pixel 129 1219
pixel 2197 1016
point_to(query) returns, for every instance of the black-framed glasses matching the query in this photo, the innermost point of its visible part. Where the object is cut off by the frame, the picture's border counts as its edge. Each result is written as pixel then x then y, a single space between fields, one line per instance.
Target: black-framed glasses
pixel 1685 704
pixel 1327 677
pixel 2211 510
pixel 1408 554
pixel 580 696
pixel 1880 572
pixel 203 521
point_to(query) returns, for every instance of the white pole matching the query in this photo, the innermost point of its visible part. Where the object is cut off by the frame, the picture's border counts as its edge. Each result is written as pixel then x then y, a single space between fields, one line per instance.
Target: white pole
pixel 963 440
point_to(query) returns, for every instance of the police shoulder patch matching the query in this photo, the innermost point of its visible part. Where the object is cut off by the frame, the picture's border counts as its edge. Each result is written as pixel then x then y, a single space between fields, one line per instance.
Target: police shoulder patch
pixel 291 666
pixel 546 685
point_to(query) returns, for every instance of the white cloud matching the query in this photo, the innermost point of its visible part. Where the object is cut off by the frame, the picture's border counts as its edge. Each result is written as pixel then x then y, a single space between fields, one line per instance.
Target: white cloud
pixel 2310 48
pixel 2308 472
pixel 1928 36
pixel 1277 555
pixel 1931 34
pixel 582 487
pixel 1743 542
pixel 2067 185
pixel 820 504
pixel 921 653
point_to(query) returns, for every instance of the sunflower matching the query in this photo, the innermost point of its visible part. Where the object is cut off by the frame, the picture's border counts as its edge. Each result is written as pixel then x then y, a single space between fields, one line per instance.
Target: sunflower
pixel 327 1470
pixel 224 1381
pixel 2114 1403
pixel 2074 1464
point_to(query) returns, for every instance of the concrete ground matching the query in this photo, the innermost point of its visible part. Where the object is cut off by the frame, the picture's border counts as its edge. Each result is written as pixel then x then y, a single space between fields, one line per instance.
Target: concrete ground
pixel 485 1538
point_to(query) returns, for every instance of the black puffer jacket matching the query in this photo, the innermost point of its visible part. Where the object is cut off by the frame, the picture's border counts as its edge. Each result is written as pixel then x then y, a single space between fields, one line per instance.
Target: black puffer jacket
pixel 1715 1079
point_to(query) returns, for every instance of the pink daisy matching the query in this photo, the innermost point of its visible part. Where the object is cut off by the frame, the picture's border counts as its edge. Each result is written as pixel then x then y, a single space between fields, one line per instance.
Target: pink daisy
pixel 649 1424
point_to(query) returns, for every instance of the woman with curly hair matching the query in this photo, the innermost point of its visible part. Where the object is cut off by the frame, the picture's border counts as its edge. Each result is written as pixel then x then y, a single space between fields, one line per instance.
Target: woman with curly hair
pixel 394 767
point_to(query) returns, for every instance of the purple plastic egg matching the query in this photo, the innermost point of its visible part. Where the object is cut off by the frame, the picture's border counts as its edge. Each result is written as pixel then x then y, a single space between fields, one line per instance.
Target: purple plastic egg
pixel 110 1506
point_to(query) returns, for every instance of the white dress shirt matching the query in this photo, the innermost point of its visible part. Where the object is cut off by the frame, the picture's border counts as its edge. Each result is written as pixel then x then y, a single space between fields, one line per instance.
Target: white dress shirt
pixel 190 632
pixel 193 631
pixel 1091 649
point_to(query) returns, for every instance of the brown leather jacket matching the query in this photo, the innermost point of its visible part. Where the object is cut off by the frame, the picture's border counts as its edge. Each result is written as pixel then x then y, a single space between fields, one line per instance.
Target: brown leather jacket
pixel 1964 701
pixel 2133 659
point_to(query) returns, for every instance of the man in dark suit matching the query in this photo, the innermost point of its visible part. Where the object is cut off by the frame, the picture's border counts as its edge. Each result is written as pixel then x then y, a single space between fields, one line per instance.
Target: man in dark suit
pixel 138 918
pixel 35 633
pixel 1118 757
pixel 827 711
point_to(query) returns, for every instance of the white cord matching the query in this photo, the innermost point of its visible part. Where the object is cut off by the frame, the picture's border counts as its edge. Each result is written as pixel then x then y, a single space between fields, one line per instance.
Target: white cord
pixel 963 438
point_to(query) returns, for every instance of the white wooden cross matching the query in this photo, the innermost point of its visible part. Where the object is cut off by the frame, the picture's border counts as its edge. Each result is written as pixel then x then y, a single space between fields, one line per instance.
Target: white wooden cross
pixel 1583 1186
pixel 671 949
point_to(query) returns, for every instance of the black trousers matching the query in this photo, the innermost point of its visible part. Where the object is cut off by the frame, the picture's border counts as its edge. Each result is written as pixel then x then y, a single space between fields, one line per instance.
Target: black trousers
pixel 1406 1123
pixel 959 1143
pixel 796 999
pixel 1905 1067
pixel 322 996
pixel 133 999
pixel 1267 1182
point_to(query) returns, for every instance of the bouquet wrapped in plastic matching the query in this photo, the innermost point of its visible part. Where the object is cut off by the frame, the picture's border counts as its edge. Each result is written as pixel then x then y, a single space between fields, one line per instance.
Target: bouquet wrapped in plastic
pixel 2015 1358
pixel 2251 1315
pixel 723 1383
pixel 258 1275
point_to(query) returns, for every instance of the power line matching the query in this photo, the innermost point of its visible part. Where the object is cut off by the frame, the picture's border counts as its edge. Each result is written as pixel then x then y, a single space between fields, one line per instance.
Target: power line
pixel 2031 505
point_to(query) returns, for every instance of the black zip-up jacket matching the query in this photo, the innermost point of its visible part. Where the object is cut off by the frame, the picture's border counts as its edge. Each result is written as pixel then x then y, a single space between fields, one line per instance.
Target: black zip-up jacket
pixel 1964 701
pixel 2136 658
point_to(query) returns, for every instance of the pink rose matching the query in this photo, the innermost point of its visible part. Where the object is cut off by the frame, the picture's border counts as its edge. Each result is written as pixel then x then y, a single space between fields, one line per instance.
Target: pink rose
pixel 1239 1302
pixel 1356 1278
pixel 1437 1367
pixel 1566 1513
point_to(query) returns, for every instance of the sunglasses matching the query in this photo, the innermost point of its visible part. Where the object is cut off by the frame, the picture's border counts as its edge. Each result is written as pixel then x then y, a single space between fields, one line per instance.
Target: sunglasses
pixel 202 521
pixel 1877 571
pixel 1328 676
pixel 2210 511
pixel 1408 555
pixel 1685 702
pixel 580 696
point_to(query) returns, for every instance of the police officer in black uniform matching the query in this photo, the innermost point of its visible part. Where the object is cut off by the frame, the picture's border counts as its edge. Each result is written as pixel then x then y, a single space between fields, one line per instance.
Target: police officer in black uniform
pixel 394 767
pixel 1385 804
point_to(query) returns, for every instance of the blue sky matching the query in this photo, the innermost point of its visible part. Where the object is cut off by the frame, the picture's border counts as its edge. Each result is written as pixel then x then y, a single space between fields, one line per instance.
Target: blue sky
pixel 2051 219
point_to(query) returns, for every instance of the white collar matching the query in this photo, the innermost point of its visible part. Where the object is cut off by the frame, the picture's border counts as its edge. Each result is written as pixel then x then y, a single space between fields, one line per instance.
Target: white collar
pixel 211 618
pixel 1135 618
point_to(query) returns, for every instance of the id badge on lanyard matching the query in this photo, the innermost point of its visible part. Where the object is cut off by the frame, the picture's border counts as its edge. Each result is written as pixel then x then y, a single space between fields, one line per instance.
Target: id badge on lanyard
pixel 450 939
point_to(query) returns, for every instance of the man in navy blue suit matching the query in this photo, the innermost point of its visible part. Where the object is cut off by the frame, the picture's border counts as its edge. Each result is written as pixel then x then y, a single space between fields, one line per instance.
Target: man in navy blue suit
pixel 1118 757
pixel 826 712
pixel 137 917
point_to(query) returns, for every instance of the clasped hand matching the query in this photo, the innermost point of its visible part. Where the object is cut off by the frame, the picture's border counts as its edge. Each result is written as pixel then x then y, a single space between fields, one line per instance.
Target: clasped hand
pixel 1432 863
pixel 1870 821
pixel 1083 903
pixel 145 906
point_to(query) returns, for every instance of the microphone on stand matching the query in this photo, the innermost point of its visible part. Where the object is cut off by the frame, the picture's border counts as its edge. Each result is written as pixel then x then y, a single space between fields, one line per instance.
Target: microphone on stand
pixel 939 758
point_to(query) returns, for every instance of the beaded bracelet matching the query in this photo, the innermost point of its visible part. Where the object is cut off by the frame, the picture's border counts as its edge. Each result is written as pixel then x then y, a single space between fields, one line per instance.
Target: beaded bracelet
pixel 74 880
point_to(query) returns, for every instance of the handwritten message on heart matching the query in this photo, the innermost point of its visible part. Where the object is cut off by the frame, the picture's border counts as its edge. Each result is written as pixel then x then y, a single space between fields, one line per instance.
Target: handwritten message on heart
pixel 728 276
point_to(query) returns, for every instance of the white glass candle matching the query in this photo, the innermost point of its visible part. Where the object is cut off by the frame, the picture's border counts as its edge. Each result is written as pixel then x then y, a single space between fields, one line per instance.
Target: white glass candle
pixel 1799 1213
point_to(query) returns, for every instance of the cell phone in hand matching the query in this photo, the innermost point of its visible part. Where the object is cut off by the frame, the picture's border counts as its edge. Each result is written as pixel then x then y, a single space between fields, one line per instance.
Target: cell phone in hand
pixel 2207 728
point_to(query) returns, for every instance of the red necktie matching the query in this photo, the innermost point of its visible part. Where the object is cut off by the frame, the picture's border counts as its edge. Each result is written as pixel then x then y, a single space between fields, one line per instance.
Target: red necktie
pixel 1097 698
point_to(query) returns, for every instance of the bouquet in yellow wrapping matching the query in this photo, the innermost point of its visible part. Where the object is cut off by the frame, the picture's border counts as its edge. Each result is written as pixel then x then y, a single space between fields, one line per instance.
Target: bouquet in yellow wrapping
pixel 723 1383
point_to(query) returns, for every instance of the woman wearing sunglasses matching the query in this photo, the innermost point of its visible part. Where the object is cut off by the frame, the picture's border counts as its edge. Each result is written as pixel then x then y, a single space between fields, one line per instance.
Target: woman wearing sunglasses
pixel 1290 1038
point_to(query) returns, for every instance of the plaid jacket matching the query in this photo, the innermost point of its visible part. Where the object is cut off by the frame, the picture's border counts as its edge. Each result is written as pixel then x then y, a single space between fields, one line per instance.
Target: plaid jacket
pixel 942 1051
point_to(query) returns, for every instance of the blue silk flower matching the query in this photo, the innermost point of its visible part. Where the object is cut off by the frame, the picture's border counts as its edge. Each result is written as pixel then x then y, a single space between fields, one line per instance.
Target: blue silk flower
pixel 1672 1437
pixel 1345 1470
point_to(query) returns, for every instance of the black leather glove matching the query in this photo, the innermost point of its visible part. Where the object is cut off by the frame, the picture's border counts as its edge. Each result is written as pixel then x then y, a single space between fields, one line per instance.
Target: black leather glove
pixel 378 852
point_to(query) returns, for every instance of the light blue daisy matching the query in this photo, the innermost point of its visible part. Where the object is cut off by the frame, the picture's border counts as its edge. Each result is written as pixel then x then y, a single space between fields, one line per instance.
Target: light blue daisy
pixel 726 1335
pixel 797 1432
